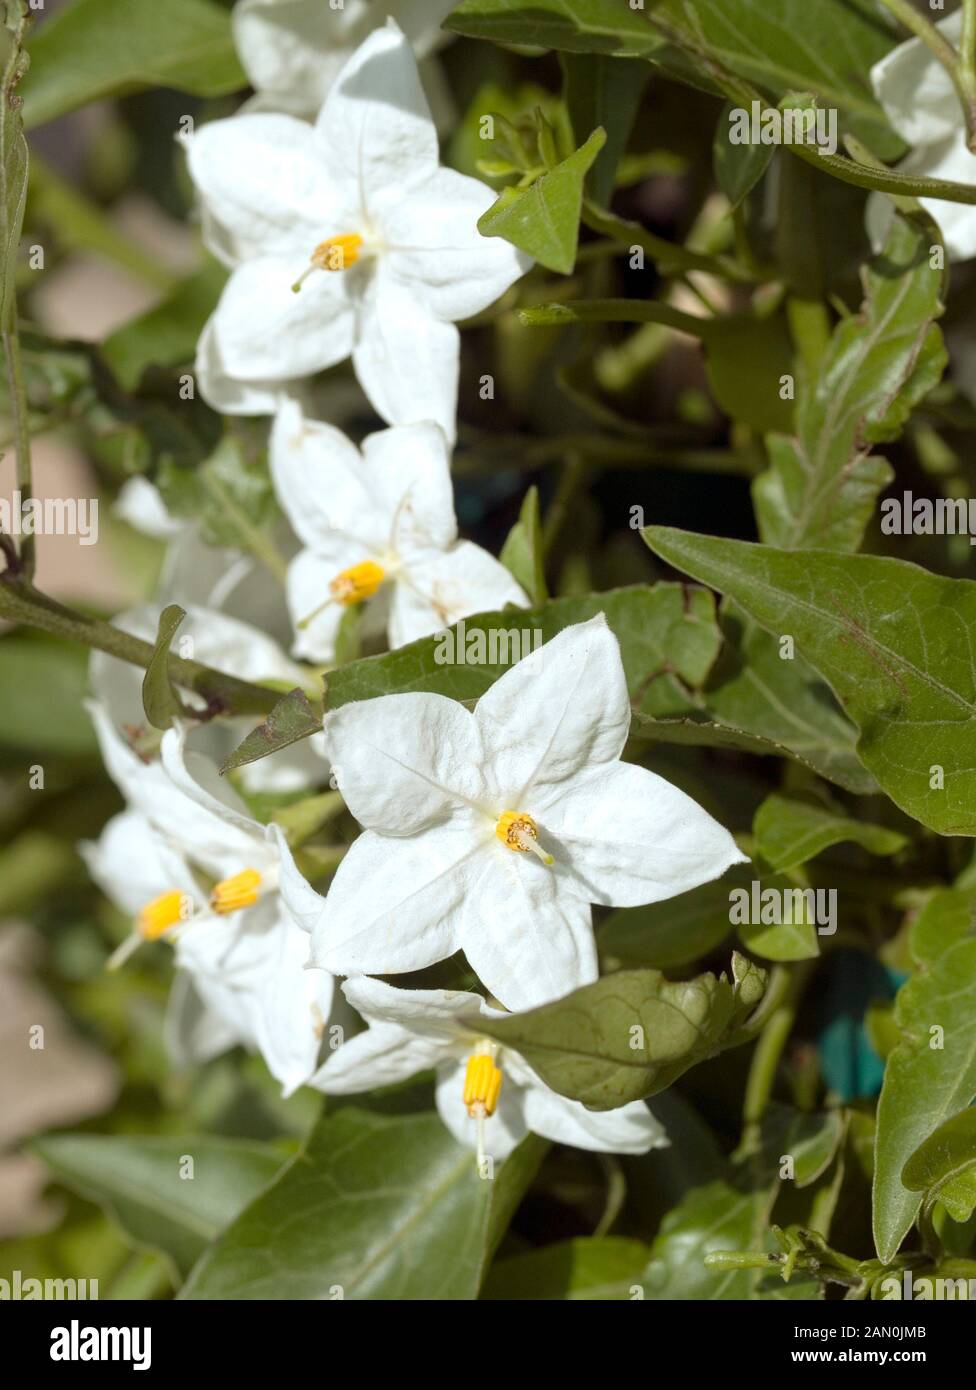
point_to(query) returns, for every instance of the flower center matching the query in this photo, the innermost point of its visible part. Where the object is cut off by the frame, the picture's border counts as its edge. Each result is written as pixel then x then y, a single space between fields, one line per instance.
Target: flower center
pixel 335 253
pixel 519 832
pixel 482 1082
pixel 237 892
pixel 357 583
pixel 351 586
pixel 164 912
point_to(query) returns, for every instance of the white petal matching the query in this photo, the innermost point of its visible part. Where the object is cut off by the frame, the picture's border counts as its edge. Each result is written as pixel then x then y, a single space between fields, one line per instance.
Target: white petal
pixel 303 904
pixel 228 394
pixel 382 1056
pixel 265 185
pixel 560 709
pixel 193 1030
pixel 205 816
pixel 292 1007
pixel 631 1129
pixel 916 91
pixel 626 836
pixel 238 948
pixel 408 472
pixel 526 934
pixel 396 905
pixel 375 130
pixel 437 589
pixel 133 864
pixel 320 481
pixel 503 1130
pixel 438 253
pixel 447 1013
pixel 295 49
pixel 141 505
pixel 315 615
pixel 406 359
pixel 264 332
pixel 952 159
pixel 404 761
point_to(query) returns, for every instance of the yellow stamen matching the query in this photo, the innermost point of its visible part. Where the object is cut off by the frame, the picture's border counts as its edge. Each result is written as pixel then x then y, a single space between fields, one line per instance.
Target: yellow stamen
pixel 482 1085
pixel 164 912
pixel 237 892
pixel 351 586
pixel 519 832
pixel 335 253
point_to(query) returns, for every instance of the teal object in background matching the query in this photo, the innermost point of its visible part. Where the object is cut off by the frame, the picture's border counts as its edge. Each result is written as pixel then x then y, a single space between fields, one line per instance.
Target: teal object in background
pixel 851 982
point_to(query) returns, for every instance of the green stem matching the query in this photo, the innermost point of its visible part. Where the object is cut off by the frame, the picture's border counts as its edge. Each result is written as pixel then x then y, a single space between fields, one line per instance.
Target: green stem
pixel 786 988
pixel 224 694
pixel 614 311
pixel 668 257
pixel 18 401
pixel 954 63
pixel 888 181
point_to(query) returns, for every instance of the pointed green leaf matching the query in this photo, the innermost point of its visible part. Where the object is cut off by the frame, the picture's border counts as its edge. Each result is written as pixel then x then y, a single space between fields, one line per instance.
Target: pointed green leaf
pixel 790 832
pixel 91 49
pixel 929 1076
pixel 944 1167
pixel 822 486
pixel 592 1268
pixel 144 1184
pixel 544 218
pixel 629 1035
pixel 522 554
pixel 293 718
pixel 891 640
pixel 573 26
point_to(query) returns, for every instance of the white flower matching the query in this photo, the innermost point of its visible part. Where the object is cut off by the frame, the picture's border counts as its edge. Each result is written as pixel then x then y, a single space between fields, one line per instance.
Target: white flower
pixel 191 866
pixel 381 524
pixel 345 238
pixel 487 1095
pixel 293 50
pixel 492 832
pixel 922 105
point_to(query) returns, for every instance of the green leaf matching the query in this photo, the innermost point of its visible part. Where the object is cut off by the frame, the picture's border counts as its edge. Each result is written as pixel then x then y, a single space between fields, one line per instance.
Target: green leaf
pixel 159 699
pixel 572 26
pixel 924 1083
pixel 522 554
pixel 671 933
pixel 544 218
pixel 167 335
pixel 593 1268
pixel 738 168
pixel 948 916
pixel 791 940
pixel 745 356
pixel 139 1182
pixel 665 641
pixel 828 49
pixel 754 689
pixel 376 1206
pixel 628 1035
pixel 890 639
pixel 821 489
pixel 92 49
pixel 605 92
pixel 790 832
pixel 14 158
pixel 293 718
pixel 944 1167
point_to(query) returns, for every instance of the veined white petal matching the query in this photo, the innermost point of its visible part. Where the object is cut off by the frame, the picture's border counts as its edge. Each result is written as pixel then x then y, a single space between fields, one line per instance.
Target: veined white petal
pixel 408 473
pixel 403 762
pixel 436 589
pixel 450 1013
pixel 631 1129
pixel 916 91
pixel 560 709
pixel 320 482
pixel 382 1056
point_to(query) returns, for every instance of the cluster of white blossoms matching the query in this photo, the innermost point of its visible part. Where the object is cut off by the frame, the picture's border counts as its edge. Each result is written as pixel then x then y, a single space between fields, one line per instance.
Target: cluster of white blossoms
pixel 491 831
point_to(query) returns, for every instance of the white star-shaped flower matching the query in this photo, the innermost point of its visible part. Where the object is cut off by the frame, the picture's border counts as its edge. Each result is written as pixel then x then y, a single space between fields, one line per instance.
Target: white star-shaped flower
pixel 922 105
pixel 492 832
pixel 345 238
pixel 487 1095
pixel 191 866
pixel 293 50
pixel 378 526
